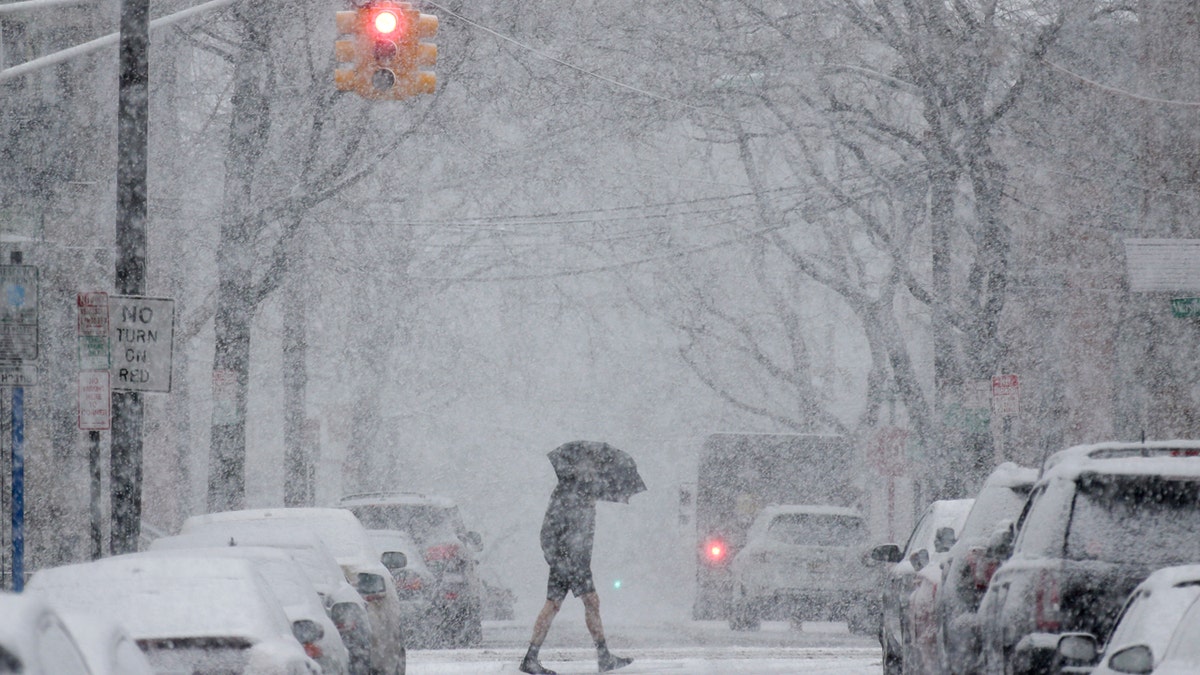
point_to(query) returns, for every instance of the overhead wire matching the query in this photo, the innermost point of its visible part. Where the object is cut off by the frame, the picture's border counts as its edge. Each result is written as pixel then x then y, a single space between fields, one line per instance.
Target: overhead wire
pixel 593 74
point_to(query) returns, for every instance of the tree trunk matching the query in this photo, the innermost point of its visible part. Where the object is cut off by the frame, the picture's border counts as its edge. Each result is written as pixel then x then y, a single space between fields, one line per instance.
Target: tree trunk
pixel 248 133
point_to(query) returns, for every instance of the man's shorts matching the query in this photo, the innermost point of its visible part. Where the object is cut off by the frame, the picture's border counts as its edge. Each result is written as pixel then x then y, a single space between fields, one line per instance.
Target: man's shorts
pixel 568 575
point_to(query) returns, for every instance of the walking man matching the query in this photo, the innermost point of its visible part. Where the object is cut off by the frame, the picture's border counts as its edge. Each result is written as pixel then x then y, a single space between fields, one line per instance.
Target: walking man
pixel 567 533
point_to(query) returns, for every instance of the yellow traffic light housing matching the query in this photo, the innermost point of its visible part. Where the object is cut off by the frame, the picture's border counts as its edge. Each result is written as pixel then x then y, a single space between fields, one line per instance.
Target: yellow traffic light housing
pixel 384 56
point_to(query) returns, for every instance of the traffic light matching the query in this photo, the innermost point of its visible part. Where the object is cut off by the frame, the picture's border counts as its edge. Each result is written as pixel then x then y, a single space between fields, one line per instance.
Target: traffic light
pixel 384 55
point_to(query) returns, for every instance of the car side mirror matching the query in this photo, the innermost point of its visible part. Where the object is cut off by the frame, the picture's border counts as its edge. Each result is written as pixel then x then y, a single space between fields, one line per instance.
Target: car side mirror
pixel 1137 659
pixel 1078 648
pixel 919 559
pixel 888 553
pixel 370 584
pixel 394 560
pixel 944 539
pixel 474 540
pixel 307 631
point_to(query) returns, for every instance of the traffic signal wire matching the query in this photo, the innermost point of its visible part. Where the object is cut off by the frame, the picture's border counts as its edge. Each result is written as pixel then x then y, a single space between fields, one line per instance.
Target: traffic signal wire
pixel 599 76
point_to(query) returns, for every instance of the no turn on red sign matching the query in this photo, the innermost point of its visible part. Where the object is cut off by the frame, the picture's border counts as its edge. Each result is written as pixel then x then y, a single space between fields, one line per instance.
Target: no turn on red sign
pixel 141 333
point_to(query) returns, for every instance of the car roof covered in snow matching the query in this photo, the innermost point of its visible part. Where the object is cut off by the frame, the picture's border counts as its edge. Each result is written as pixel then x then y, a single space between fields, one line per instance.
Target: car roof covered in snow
pixel 810 509
pixel 163 598
pixel 297 541
pixel 398 498
pixel 1009 474
pixel 1169 577
pixel 341 531
pixel 1164 458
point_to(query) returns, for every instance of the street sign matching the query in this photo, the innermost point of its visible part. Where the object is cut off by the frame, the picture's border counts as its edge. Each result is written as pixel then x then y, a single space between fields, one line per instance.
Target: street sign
pixel 17 375
pixel 1157 265
pixel 887 451
pixel 93 314
pixel 95 400
pixel 1183 308
pixel 18 312
pixel 141 333
pixel 1006 395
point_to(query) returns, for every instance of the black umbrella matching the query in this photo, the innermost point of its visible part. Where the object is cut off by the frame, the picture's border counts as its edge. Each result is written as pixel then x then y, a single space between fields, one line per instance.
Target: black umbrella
pixel 599 469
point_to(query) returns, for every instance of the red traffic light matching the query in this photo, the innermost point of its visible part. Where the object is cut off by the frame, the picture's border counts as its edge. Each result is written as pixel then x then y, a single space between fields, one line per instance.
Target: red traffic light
pixel 715 550
pixel 386 23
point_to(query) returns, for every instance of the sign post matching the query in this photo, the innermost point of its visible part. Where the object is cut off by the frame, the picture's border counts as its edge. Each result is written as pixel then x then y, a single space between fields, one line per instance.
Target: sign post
pixel 95 396
pixel 141 334
pixel 18 343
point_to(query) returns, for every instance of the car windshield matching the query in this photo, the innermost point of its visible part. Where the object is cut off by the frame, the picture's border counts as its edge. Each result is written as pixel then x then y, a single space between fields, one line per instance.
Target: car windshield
pixel 1185 645
pixel 991 506
pixel 1150 617
pixel 1141 519
pixel 423 523
pixel 815 529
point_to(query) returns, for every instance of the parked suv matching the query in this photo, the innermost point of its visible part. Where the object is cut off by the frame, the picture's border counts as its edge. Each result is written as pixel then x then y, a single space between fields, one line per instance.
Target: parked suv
pixel 1099 521
pixel 803 562
pixel 449 550
pixel 931 539
pixel 969 566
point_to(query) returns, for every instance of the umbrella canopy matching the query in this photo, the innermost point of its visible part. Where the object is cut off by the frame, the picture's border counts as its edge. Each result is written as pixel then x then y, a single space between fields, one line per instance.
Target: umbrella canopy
pixel 599 469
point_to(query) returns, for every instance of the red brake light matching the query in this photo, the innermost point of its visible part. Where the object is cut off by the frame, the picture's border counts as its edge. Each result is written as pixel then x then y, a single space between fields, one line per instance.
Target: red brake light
pixel 715 550
pixel 313 651
pixel 1047 605
pixel 441 552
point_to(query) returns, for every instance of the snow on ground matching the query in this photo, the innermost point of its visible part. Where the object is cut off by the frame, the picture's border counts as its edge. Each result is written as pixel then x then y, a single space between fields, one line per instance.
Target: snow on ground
pixel 683 648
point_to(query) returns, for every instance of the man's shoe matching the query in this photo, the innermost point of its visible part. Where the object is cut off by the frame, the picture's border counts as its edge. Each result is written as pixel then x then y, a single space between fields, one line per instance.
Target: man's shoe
pixel 611 662
pixel 530 664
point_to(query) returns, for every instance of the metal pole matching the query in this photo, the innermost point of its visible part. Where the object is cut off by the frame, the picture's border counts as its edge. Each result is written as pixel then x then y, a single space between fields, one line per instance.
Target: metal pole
pixel 96 513
pixel 18 489
pixel 132 125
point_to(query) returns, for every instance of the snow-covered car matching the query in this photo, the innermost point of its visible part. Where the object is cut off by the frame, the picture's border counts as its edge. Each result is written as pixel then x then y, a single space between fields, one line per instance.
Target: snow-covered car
pixel 969 566
pixel 803 562
pixel 1147 623
pixel 1099 520
pixel 187 614
pixel 106 646
pixel 447 547
pixel 347 540
pixel 930 541
pixel 414 582
pixel 34 640
pixel 295 593
pixel 344 605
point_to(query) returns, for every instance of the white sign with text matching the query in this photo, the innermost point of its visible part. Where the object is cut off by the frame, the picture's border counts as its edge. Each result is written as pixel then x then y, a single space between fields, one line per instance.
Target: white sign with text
pixel 141 334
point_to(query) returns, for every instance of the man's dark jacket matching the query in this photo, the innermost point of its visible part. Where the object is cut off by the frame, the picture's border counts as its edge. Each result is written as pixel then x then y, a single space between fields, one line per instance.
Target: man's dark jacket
pixel 569 527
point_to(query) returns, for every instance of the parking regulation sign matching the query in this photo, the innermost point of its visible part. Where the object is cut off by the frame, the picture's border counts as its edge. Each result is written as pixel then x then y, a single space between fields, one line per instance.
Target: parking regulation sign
pixel 1006 395
pixel 18 312
pixel 95 401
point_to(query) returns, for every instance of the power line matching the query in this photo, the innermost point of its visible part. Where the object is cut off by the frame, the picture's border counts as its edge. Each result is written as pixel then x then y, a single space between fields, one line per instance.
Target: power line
pixel 1118 91
pixel 593 74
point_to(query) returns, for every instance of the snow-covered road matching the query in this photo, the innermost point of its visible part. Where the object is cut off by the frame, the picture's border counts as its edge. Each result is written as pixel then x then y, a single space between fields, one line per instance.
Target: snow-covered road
pixel 676 661
pixel 685 648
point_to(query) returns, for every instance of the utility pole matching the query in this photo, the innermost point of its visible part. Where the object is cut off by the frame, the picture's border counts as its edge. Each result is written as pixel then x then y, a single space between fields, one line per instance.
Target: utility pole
pixel 132 126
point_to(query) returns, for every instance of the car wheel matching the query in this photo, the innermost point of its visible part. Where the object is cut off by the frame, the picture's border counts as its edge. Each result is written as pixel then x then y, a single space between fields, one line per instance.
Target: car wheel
pixel 744 616
pixel 471 631
pixel 892 665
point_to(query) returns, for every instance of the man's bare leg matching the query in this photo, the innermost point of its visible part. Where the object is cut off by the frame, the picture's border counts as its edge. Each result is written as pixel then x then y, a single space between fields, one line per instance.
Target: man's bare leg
pixel 591 615
pixel 541 628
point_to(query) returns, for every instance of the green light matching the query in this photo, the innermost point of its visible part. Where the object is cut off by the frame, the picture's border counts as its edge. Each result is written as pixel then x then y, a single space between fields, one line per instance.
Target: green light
pixel 617 584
